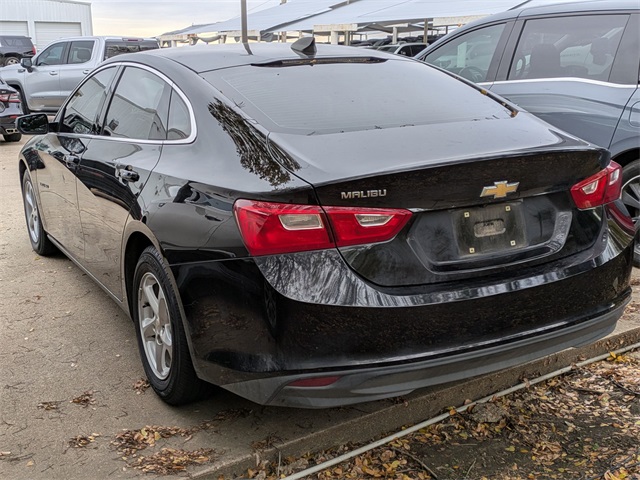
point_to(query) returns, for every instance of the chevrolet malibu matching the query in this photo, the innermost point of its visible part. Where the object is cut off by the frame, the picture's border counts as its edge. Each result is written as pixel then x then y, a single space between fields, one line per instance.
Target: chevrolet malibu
pixel 275 226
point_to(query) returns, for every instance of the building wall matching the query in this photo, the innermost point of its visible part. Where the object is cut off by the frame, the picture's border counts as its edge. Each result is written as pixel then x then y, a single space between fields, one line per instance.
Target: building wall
pixel 39 18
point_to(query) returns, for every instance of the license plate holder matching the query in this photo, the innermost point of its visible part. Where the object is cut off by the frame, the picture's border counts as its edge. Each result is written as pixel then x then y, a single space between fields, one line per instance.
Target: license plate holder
pixel 490 229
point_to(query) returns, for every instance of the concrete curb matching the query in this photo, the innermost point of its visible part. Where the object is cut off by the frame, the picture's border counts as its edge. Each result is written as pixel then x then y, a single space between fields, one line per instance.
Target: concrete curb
pixel 423 404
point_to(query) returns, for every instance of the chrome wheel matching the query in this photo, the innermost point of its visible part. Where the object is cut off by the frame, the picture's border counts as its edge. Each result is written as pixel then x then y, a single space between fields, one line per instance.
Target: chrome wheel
pixel 31 210
pixel 155 325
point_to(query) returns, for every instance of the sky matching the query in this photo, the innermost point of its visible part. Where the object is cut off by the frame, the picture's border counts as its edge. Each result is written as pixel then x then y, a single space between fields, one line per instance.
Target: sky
pixel 149 18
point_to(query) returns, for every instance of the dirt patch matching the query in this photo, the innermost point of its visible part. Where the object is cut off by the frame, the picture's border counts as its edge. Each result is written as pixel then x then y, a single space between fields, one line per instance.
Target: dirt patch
pixel 582 425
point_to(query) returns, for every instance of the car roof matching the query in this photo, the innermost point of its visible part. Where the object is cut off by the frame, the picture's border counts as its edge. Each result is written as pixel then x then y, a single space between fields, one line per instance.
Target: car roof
pixel 570 7
pixel 105 37
pixel 203 58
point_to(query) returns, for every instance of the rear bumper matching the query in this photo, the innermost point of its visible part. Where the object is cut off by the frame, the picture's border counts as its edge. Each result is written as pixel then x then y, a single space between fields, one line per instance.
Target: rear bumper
pixel 256 325
pixel 368 384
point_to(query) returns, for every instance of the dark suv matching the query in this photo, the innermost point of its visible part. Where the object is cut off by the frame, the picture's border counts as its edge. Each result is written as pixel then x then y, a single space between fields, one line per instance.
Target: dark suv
pixel 575 65
pixel 15 47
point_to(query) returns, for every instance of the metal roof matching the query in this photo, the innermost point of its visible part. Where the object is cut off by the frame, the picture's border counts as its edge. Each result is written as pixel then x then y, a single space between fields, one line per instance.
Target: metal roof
pixel 303 15
pixel 273 18
pixel 390 12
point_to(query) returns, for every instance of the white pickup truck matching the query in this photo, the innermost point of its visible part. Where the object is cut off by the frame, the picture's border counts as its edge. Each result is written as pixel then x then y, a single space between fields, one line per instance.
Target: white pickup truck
pixel 47 79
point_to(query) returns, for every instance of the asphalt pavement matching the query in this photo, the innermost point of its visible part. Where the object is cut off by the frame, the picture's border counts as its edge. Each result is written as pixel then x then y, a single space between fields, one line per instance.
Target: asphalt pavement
pixel 71 381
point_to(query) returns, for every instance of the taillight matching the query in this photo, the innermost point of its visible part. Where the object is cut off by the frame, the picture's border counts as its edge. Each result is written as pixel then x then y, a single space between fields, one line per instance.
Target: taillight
pixel 10 98
pixel 270 228
pixel 357 226
pixel 599 189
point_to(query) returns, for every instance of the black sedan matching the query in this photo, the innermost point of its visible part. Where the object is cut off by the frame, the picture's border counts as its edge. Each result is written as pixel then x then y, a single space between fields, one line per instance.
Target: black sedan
pixel 278 227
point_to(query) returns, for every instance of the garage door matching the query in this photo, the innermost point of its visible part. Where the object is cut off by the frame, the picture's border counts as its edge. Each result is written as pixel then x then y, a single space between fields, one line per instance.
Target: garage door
pixel 47 32
pixel 14 28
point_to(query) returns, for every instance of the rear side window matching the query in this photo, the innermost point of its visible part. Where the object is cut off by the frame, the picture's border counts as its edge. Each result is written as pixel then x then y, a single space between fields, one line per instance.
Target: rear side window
pixel 17 42
pixel 118 47
pixel 580 46
pixel 81 113
pixel 470 54
pixel 80 52
pixel 179 121
pixel 140 106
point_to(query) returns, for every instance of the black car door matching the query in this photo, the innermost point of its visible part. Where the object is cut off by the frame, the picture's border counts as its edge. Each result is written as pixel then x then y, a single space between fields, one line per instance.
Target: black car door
pixel 60 154
pixel 116 165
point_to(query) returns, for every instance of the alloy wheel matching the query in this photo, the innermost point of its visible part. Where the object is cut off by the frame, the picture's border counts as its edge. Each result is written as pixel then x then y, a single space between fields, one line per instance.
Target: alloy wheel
pixel 31 207
pixel 155 325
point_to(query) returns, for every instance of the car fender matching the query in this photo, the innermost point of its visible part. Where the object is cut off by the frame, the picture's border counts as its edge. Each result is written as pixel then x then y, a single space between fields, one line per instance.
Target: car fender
pixel 134 228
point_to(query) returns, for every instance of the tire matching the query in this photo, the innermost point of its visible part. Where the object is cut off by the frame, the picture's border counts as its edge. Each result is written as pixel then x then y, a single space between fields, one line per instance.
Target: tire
pixel 37 236
pixel 12 137
pixel 11 61
pixel 161 337
pixel 631 198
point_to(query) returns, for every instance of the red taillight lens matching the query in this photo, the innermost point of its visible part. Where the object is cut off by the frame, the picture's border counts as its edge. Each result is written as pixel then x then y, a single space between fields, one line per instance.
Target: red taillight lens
pixel 270 228
pixel 314 382
pixel 357 226
pixel 599 189
pixel 10 98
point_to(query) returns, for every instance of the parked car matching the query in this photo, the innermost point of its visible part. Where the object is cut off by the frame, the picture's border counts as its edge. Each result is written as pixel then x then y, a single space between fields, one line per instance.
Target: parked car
pixel 10 110
pixel 272 230
pixel 45 81
pixel 15 47
pixel 406 49
pixel 575 65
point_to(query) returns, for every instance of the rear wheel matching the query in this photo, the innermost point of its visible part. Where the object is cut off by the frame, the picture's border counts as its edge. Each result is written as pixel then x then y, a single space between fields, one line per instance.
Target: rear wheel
pixel 631 199
pixel 11 61
pixel 161 337
pixel 37 236
pixel 12 137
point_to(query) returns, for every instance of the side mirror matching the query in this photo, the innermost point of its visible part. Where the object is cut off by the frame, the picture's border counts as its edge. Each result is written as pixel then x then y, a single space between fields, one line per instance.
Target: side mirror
pixel 35 124
pixel 26 63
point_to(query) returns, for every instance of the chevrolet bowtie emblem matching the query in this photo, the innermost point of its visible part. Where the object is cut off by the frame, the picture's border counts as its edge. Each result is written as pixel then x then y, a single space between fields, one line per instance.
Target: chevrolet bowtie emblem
pixel 499 189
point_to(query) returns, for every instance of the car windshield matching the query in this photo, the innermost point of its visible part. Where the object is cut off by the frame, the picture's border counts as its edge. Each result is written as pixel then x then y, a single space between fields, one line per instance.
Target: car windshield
pixel 337 97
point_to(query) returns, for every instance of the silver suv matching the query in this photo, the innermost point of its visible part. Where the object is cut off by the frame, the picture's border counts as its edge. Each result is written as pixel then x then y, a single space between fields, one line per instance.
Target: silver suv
pixel 47 79
pixel 575 65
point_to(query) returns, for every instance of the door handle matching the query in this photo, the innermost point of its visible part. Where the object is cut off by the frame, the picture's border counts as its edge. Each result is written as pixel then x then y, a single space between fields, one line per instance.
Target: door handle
pixel 71 161
pixel 127 174
pixel 53 73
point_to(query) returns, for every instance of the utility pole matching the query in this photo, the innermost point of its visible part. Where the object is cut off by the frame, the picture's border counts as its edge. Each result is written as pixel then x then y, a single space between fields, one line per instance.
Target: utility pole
pixel 243 15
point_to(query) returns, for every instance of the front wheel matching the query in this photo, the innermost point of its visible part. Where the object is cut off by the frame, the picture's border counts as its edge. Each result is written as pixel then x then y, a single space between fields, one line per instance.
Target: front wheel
pixel 38 237
pixel 161 337
pixel 631 199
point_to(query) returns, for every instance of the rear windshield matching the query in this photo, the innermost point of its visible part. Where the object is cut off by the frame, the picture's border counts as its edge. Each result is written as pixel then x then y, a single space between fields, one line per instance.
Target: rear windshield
pixel 337 97
pixel 15 42
pixel 118 47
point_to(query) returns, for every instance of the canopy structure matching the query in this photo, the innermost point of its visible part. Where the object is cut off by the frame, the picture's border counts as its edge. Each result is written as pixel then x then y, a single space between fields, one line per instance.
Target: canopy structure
pixel 348 16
